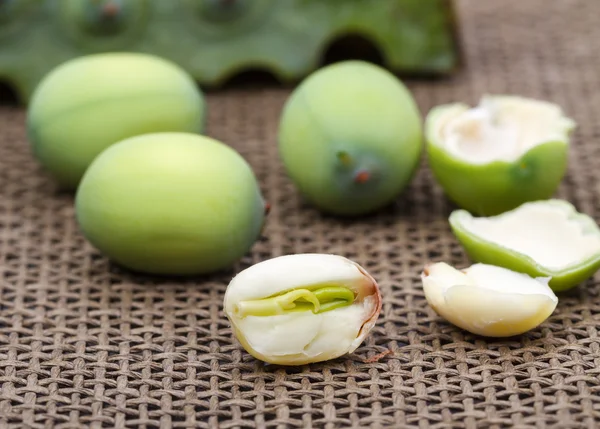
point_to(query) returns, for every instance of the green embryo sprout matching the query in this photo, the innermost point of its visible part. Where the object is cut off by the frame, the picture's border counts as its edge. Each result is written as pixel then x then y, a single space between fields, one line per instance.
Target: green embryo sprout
pixel 496 156
pixel 89 103
pixel 171 203
pixel 546 238
pixel 350 138
pixel 322 298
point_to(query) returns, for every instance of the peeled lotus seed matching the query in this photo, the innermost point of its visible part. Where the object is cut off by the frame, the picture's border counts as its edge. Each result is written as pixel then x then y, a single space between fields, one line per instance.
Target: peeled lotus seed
pixel 304 308
pixel 488 300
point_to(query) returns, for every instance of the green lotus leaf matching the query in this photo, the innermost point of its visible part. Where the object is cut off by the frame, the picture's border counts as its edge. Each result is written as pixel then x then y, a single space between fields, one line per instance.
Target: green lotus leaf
pixel 547 238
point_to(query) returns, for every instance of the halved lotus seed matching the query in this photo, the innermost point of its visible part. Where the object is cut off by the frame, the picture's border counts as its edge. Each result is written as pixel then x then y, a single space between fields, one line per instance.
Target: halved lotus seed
pixel 304 308
pixel 507 151
pixel 546 238
pixel 488 300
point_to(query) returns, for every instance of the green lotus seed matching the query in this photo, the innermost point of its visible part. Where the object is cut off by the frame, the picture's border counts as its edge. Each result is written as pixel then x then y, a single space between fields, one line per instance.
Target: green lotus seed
pixel 87 104
pixel 170 203
pixel 350 138
pixel 504 152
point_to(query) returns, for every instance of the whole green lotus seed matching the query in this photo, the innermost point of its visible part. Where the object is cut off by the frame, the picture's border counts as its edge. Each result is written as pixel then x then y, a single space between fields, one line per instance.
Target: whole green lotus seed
pixel 87 104
pixel 351 138
pixel 170 203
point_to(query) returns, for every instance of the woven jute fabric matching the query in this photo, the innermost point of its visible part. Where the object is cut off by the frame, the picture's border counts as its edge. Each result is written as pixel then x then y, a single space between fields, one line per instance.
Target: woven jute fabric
pixel 84 343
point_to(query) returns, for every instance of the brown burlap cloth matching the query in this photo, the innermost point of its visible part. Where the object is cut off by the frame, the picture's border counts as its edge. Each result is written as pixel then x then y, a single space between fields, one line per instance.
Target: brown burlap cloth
pixel 86 344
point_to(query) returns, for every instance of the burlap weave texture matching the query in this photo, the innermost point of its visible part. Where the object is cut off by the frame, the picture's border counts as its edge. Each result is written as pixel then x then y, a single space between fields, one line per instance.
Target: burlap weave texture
pixel 86 344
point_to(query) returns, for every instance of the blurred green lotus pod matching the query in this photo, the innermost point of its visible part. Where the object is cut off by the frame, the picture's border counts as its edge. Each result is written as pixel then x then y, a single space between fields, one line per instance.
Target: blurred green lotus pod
pixel 494 157
pixel 350 138
pixel 87 104
pixel 170 203
pixel 217 40
pixel 541 238
pixel 104 19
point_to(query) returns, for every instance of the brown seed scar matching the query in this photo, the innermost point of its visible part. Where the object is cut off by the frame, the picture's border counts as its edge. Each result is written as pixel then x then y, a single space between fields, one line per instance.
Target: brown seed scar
pixel 362 177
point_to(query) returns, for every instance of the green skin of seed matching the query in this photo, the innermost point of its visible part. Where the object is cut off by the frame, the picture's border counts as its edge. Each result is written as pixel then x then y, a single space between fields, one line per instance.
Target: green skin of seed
pixel 318 301
pixel 495 187
pixel 487 252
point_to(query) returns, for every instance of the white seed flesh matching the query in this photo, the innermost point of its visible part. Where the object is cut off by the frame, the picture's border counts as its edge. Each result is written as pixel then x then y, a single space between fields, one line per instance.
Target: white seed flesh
pixel 488 300
pixel 547 232
pixel 500 128
pixel 298 338
pixel 304 334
